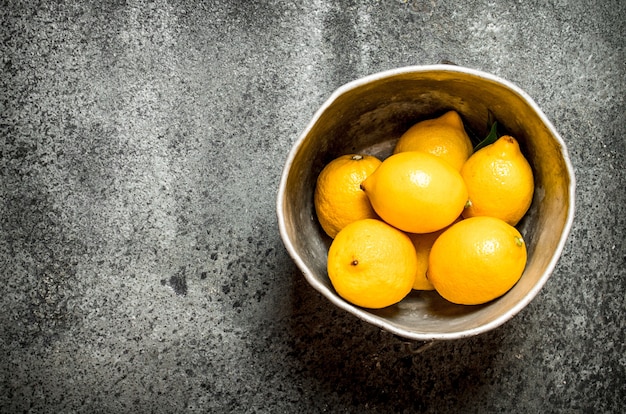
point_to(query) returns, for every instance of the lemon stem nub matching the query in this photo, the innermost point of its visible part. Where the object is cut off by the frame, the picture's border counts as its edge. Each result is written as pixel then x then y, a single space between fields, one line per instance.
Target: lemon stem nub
pixel 354 262
pixel 519 241
pixel 357 157
pixel 468 204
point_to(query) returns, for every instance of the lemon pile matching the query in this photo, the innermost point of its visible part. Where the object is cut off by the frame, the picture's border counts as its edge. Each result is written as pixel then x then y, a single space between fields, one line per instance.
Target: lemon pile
pixel 435 215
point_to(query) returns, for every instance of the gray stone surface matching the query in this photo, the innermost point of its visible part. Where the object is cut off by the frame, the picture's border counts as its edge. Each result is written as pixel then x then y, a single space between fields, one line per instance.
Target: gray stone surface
pixel 141 145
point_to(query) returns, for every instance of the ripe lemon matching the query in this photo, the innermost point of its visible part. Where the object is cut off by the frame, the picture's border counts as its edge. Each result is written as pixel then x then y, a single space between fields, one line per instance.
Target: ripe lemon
pixel 416 192
pixel 338 198
pixel 423 242
pixel 476 260
pixel 372 264
pixel 499 181
pixel 444 137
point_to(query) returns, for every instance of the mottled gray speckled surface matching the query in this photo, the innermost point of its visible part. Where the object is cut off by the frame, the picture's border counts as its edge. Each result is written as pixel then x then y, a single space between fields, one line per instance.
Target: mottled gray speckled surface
pixel 141 145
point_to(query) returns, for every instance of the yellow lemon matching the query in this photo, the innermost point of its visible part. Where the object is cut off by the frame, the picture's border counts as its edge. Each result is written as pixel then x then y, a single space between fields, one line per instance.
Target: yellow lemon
pixel 499 181
pixel 444 137
pixel 423 242
pixel 416 192
pixel 372 264
pixel 338 198
pixel 476 260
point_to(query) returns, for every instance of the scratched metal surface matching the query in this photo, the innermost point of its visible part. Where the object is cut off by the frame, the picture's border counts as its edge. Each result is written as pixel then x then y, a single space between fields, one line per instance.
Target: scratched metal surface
pixel 141 147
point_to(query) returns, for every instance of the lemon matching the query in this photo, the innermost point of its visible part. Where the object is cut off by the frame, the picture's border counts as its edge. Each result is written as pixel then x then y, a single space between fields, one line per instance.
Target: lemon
pixel 372 264
pixel 416 192
pixel 423 243
pixel 444 137
pixel 338 198
pixel 499 181
pixel 476 260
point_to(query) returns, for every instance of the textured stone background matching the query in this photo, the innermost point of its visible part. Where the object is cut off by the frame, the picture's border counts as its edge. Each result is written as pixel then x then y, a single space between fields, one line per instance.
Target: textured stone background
pixel 141 145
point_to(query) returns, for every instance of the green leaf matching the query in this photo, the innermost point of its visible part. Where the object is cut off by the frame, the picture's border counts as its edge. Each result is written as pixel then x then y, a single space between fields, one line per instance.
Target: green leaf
pixel 490 139
pixel 473 136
